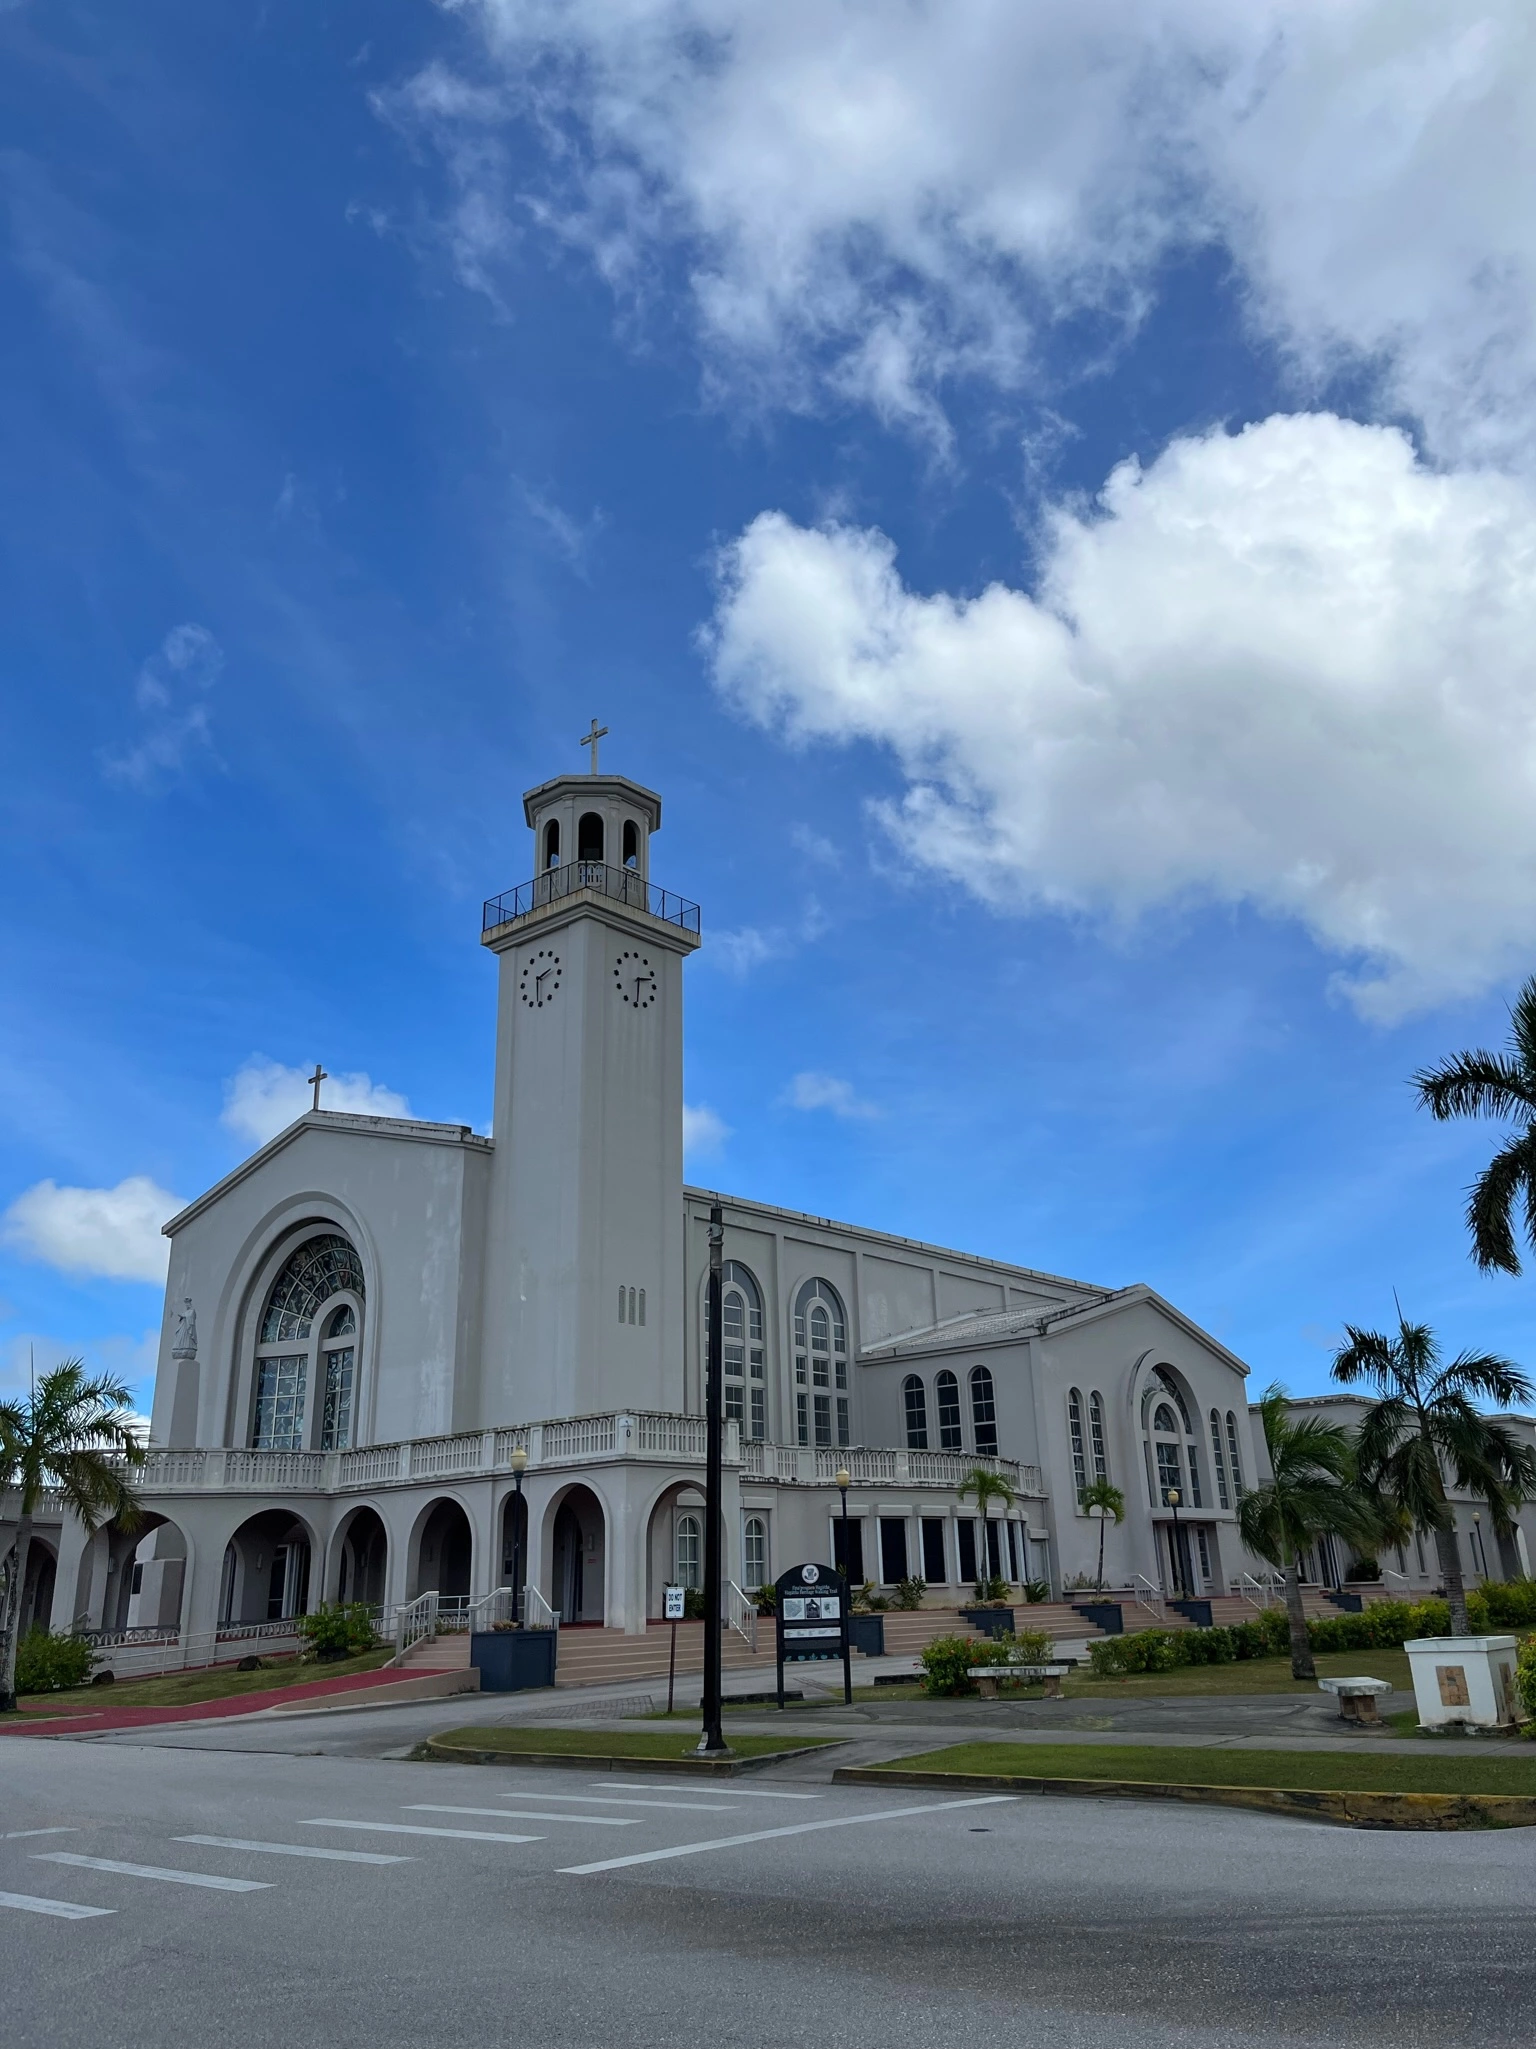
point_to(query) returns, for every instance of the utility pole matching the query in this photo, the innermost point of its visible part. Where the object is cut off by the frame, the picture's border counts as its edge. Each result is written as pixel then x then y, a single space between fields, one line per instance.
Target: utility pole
pixel 712 1741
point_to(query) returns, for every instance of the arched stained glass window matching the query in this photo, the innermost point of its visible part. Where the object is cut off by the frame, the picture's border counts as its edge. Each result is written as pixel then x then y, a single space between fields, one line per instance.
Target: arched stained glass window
pixel 983 1409
pixel 322 1267
pixel 307 1339
pixel 915 1401
pixel 1219 1462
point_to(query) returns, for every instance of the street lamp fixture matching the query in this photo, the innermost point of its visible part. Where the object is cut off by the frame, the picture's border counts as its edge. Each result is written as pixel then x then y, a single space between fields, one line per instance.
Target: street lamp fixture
pixel 519 1467
pixel 1173 1498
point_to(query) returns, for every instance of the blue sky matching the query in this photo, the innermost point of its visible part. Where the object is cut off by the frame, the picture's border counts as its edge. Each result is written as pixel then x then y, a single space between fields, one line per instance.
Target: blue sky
pixel 1098 810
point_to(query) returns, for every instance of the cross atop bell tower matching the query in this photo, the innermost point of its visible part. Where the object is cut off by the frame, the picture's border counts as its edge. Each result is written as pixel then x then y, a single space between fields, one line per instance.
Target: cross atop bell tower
pixel 591 739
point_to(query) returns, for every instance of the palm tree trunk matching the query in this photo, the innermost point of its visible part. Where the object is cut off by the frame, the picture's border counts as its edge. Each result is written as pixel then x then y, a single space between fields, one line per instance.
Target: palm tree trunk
pixel 1101 1555
pixel 1448 1552
pixel 15 1594
pixel 1302 1666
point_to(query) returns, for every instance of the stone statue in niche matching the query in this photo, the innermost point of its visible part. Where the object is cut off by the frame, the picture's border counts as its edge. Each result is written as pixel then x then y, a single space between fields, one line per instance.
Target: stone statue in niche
pixel 184 1343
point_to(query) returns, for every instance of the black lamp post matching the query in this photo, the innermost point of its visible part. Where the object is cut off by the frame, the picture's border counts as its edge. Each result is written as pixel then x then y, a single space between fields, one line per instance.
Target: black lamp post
pixel 1173 1497
pixel 712 1740
pixel 844 1480
pixel 519 1467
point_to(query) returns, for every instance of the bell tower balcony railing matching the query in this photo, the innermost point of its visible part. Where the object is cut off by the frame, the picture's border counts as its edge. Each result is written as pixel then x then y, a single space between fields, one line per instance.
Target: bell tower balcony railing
pixel 620 885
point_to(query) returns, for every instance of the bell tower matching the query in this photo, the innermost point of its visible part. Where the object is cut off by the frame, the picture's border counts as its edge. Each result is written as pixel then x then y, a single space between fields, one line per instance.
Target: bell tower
pixel 584 1245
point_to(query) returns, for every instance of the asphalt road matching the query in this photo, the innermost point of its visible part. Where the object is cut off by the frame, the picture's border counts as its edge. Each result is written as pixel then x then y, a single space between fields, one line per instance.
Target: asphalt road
pixel 798 1913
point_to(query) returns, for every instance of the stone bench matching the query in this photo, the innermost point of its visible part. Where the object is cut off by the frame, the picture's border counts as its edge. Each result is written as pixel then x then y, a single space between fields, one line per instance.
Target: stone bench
pixel 1356 1697
pixel 987 1676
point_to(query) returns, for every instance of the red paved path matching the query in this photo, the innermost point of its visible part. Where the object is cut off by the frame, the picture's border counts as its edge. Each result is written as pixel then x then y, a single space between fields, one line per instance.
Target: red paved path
pixel 35 1722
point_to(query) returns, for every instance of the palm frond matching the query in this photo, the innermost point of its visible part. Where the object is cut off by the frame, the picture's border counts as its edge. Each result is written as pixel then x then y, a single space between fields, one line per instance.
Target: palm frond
pixel 1476 1084
pixel 1485 1374
pixel 1509 1176
pixel 1522 1026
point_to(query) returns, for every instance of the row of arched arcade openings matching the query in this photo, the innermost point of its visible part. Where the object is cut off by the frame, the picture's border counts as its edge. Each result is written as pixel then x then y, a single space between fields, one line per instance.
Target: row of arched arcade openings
pixel 276 1564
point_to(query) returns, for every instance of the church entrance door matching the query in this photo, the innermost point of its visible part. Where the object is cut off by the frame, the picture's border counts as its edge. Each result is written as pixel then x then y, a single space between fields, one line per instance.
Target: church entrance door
pixel 577 1563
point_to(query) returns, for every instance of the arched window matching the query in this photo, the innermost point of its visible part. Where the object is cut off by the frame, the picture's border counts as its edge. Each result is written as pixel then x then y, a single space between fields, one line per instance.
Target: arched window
pixel 631 844
pixel 1096 1439
pixel 743 1374
pixel 946 1391
pixel 308 1336
pixel 1237 1464
pixel 915 1399
pixel 983 1410
pixel 1218 1461
pixel 1173 1456
pixel 821 1365
pixel 552 844
pixel 589 837
pixel 1075 1432
pixel 690 1551
pixel 754 1551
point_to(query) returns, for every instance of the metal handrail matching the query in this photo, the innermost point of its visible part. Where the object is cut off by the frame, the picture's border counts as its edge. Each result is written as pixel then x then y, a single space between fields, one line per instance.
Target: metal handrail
pixel 1148 1595
pixel 626 885
pixel 415 1622
pixel 741 1614
pixel 537 1612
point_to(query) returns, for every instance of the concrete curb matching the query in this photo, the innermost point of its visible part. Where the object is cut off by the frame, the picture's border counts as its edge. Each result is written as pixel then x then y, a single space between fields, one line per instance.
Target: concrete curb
pixel 686 1767
pixel 1416 1811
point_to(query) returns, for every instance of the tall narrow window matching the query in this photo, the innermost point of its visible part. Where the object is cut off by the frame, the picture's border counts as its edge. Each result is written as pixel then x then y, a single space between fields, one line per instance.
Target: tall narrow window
pixel 821 1338
pixel 1237 1464
pixel 983 1410
pixel 315 1301
pixel 754 1551
pixel 1096 1439
pixel 1075 1432
pixel 589 837
pixel 280 1403
pixel 690 1545
pixel 631 844
pixel 642 1308
pixel 823 1418
pixel 632 1305
pixel 842 1419
pixel 336 1417
pixel 1218 1461
pixel 946 1389
pixel 743 1373
pixel 802 1419
pixel 915 1400
pixel 552 844
pixel 623 1313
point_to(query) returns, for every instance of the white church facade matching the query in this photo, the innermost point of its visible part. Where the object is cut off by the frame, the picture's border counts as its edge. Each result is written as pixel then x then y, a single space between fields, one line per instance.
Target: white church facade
pixel 370 1317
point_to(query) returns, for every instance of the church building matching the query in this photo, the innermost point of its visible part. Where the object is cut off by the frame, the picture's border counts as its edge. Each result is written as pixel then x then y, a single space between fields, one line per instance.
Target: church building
pixel 372 1323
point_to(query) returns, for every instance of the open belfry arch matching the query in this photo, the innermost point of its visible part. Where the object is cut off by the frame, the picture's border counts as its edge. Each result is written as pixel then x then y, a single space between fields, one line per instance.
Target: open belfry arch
pixel 402 1357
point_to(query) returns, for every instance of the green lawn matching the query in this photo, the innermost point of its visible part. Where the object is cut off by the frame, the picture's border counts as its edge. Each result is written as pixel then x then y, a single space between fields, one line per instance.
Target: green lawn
pixel 522 1741
pixel 1346 1771
pixel 184 1689
pixel 1250 1676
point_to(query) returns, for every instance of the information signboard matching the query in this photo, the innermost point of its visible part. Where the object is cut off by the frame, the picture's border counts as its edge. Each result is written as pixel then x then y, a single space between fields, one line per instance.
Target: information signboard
pixel 811 1618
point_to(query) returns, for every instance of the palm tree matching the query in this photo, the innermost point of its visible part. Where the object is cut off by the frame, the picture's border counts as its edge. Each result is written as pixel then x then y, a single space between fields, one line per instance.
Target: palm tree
pixel 1483 1084
pixel 1106 1495
pixel 1423 1424
pixel 77 1437
pixel 1312 1492
pixel 986 1487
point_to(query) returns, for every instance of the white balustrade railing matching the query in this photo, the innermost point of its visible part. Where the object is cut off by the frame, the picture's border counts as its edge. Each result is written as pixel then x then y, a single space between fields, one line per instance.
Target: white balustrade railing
pixel 676 1436
pixel 741 1614
pixel 583 1437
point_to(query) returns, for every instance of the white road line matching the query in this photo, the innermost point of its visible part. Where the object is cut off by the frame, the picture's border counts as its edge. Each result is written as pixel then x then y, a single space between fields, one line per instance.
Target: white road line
pixel 598 1800
pixel 154 1871
pixel 408 1828
pixel 295 1850
pixel 737 1792
pixel 15 1835
pixel 62 1910
pixel 526 1814
pixel 765 1835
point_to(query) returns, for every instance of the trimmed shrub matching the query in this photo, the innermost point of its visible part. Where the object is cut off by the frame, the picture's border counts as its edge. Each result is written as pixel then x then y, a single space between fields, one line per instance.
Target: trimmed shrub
pixel 910 1592
pixel 991 1593
pixel 48 1664
pixel 333 1631
pixel 1018 1647
pixel 1525 1678
pixel 1507 1606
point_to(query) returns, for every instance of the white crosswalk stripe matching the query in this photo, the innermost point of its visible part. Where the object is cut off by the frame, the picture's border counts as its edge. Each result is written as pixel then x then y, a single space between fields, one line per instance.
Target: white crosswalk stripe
pixel 170 1877
pixel 527 1814
pixel 408 1828
pixel 609 1800
pixel 768 1835
pixel 737 1792
pixel 62 1910
pixel 296 1850
pixel 14 1835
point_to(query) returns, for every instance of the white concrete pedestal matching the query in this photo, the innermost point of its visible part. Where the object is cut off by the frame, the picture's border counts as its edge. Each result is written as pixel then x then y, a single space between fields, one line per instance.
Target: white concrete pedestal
pixel 1464 1681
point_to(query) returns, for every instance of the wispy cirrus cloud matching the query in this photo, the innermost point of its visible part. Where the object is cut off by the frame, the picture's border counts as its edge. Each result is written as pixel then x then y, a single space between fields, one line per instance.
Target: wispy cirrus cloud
pixel 814 1091
pixel 171 696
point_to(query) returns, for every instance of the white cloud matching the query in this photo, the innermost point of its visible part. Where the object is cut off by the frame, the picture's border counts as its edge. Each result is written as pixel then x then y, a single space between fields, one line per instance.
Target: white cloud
pixel 741 951
pixel 264 1098
pixel 811 1091
pixel 171 695
pixel 113 1233
pixel 704 1131
pixel 1289 667
pixel 884 197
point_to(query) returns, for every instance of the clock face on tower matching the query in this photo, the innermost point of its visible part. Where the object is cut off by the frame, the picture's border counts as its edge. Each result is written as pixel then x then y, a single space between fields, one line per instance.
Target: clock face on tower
pixel 541 979
pixel 634 979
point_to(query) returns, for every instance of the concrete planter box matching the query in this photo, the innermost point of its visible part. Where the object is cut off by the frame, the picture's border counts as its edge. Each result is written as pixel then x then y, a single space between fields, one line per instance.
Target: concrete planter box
pixel 1464 1681
pixel 1351 1604
pixel 1199 1612
pixel 508 1660
pixel 1106 1615
pixel 989 1621
pixel 866 1633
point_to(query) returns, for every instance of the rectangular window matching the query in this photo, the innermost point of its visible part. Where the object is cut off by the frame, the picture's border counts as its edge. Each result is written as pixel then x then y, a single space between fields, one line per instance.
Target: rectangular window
pixel 1075 1433
pixel 965 1531
pixel 1169 1473
pixel 754 1551
pixel 820 1375
pixel 757 1362
pixel 1204 1543
pixel 853 1563
pixel 733 1401
pixel 983 1411
pixel 916 1402
pixel 799 1369
pixel 802 1419
pixel 842 1371
pixel 893 1548
pixel 336 1420
pixel 839 1337
pixel 823 1418
pixel 759 1412
pixel 1194 1477
pixel 947 1388
pixel 994 1550
pixel 755 1324
pixel 1096 1436
pixel 1013 1550
pixel 935 1564
pixel 800 1333
pixel 842 1419
pixel 280 1404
